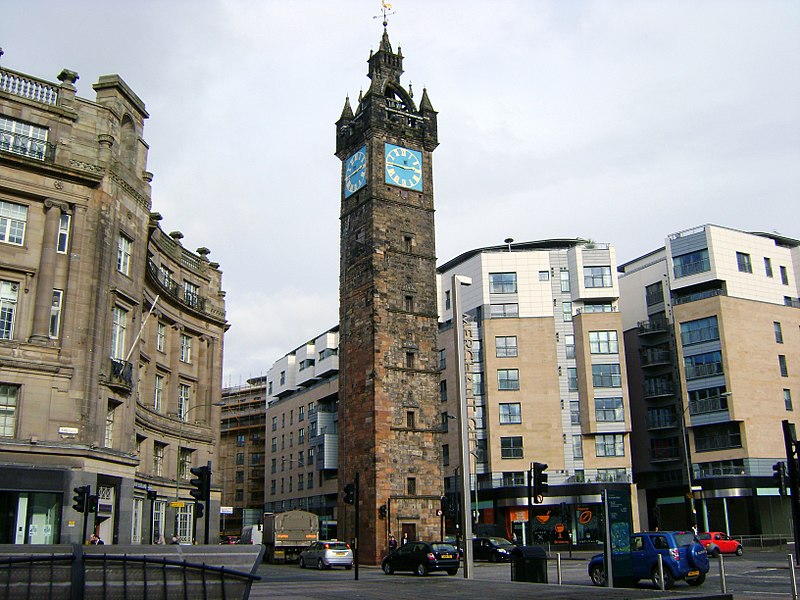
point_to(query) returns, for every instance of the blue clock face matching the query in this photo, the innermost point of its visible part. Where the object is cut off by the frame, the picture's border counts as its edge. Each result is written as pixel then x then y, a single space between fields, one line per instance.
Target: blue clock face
pixel 355 171
pixel 403 167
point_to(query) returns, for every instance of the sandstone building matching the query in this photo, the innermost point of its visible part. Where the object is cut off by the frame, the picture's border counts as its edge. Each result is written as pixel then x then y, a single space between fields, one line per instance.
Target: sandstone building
pixel 111 331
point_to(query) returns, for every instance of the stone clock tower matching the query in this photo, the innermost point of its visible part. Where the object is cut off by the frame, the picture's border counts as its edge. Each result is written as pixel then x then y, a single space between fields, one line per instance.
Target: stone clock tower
pixel 389 416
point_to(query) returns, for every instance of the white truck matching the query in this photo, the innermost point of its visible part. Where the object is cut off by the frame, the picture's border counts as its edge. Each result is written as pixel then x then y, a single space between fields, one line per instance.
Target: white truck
pixel 288 533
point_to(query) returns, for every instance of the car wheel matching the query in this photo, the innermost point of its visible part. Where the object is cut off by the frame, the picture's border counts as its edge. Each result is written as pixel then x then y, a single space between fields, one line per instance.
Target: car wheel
pixel 598 575
pixel 713 551
pixel 388 568
pixel 302 563
pixel 669 581
pixel 422 570
pixel 452 571
pixel 320 564
pixel 739 551
pixel 348 567
pixel 695 581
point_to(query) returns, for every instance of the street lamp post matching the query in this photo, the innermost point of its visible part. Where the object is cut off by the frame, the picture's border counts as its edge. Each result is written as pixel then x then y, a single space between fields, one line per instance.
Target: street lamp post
pixel 182 418
pixel 688 460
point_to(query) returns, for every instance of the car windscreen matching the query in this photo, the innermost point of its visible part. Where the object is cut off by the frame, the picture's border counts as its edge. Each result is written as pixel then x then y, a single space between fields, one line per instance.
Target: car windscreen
pixel 444 548
pixel 498 541
pixel 684 539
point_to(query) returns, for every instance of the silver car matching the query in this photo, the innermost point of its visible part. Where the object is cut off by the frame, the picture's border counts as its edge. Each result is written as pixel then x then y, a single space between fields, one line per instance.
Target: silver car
pixel 326 554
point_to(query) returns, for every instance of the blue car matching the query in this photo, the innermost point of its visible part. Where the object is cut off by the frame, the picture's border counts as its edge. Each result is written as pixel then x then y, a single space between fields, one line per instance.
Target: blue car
pixel 683 556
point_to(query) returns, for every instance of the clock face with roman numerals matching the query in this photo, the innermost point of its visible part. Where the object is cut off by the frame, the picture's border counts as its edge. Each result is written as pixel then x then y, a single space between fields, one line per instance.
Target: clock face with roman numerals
pixel 355 171
pixel 403 167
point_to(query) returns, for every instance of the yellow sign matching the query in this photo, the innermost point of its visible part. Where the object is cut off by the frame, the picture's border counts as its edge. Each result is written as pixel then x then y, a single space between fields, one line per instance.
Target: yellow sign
pixel 179 504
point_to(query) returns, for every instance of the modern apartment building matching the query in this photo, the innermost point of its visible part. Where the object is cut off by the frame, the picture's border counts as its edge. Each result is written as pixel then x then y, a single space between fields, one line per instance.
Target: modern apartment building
pixel 241 461
pixel 110 330
pixel 712 335
pixel 548 384
pixel 302 431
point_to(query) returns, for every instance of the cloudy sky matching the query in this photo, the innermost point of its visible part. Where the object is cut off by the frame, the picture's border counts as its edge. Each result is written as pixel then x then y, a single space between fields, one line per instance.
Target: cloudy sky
pixel 620 121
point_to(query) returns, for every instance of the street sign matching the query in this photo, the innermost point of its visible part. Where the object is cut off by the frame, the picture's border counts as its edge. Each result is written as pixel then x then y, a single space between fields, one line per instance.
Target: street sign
pixel 226 510
pixel 179 504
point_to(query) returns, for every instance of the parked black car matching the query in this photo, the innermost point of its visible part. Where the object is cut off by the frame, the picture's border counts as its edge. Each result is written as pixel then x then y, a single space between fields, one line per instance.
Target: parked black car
pixel 493 549
pixel 422 558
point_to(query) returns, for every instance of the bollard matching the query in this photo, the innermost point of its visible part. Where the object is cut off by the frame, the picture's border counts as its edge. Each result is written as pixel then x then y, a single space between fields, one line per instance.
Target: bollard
pixel 661 572
pixel 723 584
pixel 558 566
pixel 792 576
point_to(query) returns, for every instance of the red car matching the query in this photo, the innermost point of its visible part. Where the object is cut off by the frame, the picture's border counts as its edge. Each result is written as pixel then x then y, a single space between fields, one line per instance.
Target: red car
pixel 717 542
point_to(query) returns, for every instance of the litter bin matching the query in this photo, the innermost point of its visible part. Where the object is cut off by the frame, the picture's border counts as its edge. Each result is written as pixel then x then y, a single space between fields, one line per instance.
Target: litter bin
pixel 529 563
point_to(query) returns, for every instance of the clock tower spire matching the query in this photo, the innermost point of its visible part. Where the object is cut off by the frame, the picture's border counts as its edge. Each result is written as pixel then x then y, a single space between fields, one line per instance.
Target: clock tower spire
pixel 389 418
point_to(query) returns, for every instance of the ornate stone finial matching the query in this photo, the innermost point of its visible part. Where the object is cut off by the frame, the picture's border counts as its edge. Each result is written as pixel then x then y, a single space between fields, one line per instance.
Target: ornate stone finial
pixel 67 76
pixel 203 251
pixel 147 176
pixel 155 216
pixel 176 235
pixel 410 91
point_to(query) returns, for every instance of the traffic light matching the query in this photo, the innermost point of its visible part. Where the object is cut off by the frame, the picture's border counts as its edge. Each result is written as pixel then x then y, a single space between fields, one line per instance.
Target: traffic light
pixel 201 483
pixel 81 498
pixel 91 505
pixel 199 510
pixel 445 505
pixel 382 511
pixel 539 482
pixel 779 475
pixel 349 495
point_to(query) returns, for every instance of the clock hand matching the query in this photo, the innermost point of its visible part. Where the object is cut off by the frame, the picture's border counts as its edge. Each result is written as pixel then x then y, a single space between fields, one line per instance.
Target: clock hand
pixel 406 167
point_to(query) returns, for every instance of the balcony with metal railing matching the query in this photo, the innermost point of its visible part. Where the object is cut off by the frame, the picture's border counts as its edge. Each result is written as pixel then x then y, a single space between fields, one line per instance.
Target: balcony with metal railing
pixel 692 268
pixel 653 326
pixel 173 290
pixel 661 421
pixel 120 375
pixel 654 357
pixel 658 388
pixel 660 455
pixel 704 370
pixel 26 146
pixel 695 296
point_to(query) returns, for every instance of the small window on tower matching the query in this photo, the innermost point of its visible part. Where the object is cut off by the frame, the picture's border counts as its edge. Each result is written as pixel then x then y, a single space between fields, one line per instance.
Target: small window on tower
pixel 409 360
pixel 408 243
pixel 408 303
pixel 411 486
pixel 410 419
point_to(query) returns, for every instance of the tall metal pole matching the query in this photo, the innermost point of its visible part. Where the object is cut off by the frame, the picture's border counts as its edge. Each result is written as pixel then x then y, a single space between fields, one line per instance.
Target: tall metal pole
pixel 463 437
pixel 688 460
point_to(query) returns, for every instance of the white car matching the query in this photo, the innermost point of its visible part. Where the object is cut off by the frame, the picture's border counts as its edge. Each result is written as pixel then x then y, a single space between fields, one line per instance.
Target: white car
pixel 326 554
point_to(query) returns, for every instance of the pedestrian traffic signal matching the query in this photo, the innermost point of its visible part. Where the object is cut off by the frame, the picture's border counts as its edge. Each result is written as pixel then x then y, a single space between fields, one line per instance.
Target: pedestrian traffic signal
pixel 539 482
pixel 382 511
pixel 198 510
pixel 201 483
pixel 779 475
pixel 349 495
pixel 91 505
pixel 81 498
